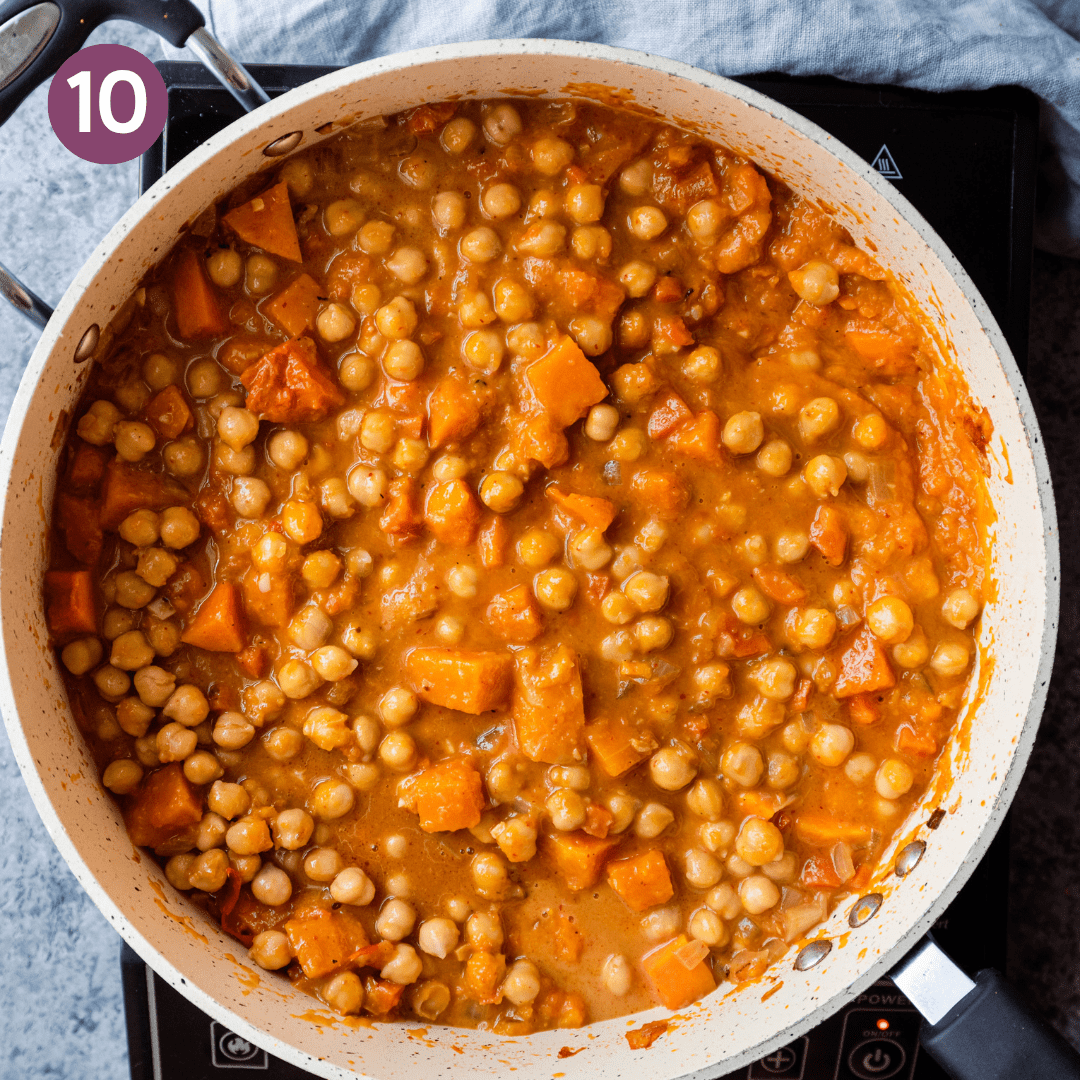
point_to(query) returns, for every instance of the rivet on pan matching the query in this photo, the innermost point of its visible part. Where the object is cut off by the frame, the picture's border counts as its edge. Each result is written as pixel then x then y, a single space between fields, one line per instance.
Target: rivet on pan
pixel 909 858
pixel 811 955
pixel 865 909
pixel 284 145
pixel 87 344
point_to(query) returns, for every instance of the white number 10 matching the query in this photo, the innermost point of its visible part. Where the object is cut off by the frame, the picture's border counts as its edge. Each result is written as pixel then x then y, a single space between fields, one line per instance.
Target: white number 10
pixel 81 82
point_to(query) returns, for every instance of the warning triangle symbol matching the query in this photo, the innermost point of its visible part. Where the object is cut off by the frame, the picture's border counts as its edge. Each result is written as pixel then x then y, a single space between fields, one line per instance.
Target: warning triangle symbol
pixel 885 164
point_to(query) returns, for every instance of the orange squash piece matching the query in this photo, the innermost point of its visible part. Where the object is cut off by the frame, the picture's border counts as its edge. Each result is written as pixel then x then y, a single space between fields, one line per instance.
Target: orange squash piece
pixel 325 941
pixel 564 383
pixel 401 520
pixel 617 746
pixel 820 829
pixel 916 743
pixel 515 616
pixel 864 667
pixel 288 385
pixel 79 520
pixel 660 492
pixel 218 625
pixel 168 413
pixel 127 487
pixel 195 303
pixel 863 709
pixel 699 438
pixel 453 412
pixel 539 439
pixel 447 796
pixel 818 872
pixel 829 535
pixel 670 413
pixel 268 598
pixel 87 466
pixel 295 307
pixel 381 996
pixel 484 973
pixel 471 682
pixel 675 977
pixel 643 881
pixel 547 707
pixel 594 511
pixel 577 857
pixel 492 541
pixel 69 603
pixel 778 584
pixel 266 222
pixel 162 805
pixel 452 513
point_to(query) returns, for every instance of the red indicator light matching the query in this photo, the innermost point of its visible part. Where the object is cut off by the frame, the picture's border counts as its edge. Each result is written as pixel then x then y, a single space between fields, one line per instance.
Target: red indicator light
pixel 883 1025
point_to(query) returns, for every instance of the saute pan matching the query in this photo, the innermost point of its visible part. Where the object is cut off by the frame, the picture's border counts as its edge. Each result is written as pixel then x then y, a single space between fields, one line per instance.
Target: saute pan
pixel 937 846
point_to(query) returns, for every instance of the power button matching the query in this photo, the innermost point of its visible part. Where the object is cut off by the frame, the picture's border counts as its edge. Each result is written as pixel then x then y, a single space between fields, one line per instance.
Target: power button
pixel 876 1059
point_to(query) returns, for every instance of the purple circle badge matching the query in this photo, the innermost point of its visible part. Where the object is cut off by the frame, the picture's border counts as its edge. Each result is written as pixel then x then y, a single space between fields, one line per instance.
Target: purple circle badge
pixel 107 104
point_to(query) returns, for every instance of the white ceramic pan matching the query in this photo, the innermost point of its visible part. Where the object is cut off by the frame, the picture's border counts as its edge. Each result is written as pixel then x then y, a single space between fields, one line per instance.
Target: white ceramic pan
pixel 981 767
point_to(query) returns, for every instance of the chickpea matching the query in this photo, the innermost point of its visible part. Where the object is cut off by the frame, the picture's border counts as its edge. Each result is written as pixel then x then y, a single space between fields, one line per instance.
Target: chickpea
pixel 112 683
pixel 272 886
pixel 759 842
pixel 260 274
pixel 398 751
pixel 894 779
pixel 202 767
pixel 179 527
pixel 154 685
pixel 672 768
pixel 293 829
pixel 622 808
pixel 616 609
pixel 566 809
pixel 184 457
pixel 742 764
pixel 408 265
pixel 588 550
pixel 555 589
pixel 98 425
pixel 398 706
pixel 637 278
pixel 140 528
pixel 859 768
pixel 463 581
pixel 702 869
pixel 133 591
pixel 758 894
pixel 123 776
pixel 480 245
pixel 653 632
pixel 593 335
pixel 647 222
pixel 890 619
pixel 332 799
pixel 705 925
pixel 209 871
pixel 237 427
pixel 322 864
pixel 818 418
pixel 159 371
pixel 228 799
pixel 352 886
pixel 743 432
pixel 774 678
pixel 870 432
pixel 343 217
pixel 502 124
pixel 960 609
pixel 825 475
pixel 914 652
pixel 646 591
pixel 81 656
pixel 950 659
pixel 750 606
pixel 774 458
pixel 271 950
pixel 831 744
pixel 501 492
pixel 816 282
pixel 134 440
pixel 814 628
pixel 187 705
pixel 542 238
pixel 458 134
pixel 617 975
pixel 344 993
pixel 550 155
pixel 491 879
pixel 249 837
pixel 396 920
pixel 652 819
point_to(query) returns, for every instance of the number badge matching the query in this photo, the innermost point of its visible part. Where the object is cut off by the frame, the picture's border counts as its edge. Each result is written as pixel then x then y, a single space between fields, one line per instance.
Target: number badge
pixel 107 104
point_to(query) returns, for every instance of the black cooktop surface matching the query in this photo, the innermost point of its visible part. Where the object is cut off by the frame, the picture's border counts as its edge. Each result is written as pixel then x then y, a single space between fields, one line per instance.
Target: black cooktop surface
pixel 967 162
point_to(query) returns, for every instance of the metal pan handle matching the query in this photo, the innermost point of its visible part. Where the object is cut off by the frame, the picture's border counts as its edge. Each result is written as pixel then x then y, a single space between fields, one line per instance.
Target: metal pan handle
pixel 37 37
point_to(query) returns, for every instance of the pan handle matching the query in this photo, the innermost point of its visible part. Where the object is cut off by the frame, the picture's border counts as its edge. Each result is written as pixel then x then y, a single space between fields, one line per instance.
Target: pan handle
pixel 991 1034
pixel 36 38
